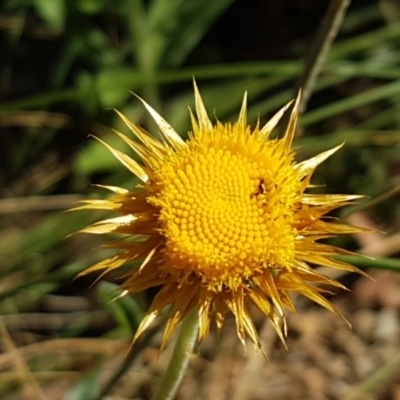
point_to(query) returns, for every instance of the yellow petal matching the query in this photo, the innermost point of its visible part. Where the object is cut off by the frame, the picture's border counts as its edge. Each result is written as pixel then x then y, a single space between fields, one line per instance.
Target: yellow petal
pixel 108 264
pixel 148 257
pixel 172 137
pixel 251 330
pixel 321 300
pixel 306 167
pixel 114 189
pixel 320 226
pixel 109 225
pixel 205 312
pixel 328 199
pixel 96 205
pixel 180 309
pixel 329 262
pixel 267 284
pixel 287 301
pixel 141 151
pixel 315 277
pixel 195 125
pixel 204 121
pixel 132 165
pixel 220 311
pixel 242 120
pixel 309 247
pixel 271 124
pixel 235 304
pixel 291 129
pixel 149 277
pixel 156 147
pixel 164 297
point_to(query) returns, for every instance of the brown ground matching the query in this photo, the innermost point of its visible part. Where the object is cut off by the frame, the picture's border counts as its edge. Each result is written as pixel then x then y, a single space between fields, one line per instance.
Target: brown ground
pixel 325 358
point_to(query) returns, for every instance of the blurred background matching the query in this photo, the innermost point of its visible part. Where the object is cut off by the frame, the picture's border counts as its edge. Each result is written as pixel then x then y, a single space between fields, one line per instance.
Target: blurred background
pixel 66 64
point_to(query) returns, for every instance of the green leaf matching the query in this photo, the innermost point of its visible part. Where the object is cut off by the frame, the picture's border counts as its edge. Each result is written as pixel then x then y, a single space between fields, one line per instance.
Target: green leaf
pixel 44 235
pixel 350 103
pixel 124 309
pixel 52 12
pixel 90 6
pixel 86 389
pixel 95 157
pixel 365 42
pixel 113 85
pixel 195 20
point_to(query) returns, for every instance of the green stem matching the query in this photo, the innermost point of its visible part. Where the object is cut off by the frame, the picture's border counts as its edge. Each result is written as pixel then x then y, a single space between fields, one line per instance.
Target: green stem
pixel 127 363
pixel 374 263
pixel 378 381
pixel 180 357
pixel 320 50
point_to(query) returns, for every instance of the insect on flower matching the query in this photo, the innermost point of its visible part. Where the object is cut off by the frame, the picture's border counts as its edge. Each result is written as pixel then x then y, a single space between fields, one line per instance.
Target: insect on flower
pixel 227 222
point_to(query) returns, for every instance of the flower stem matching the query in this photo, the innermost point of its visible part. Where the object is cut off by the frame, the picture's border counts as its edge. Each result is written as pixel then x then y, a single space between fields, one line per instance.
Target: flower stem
pixel 180 357
pixel 320 49
pixel 378 381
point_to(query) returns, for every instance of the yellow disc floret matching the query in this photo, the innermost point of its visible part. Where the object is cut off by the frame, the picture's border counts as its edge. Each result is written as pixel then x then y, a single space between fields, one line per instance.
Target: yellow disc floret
pixel 226 205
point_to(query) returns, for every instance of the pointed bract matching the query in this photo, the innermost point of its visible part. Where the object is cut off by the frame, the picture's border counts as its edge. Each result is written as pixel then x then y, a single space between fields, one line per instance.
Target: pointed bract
pixel 291 129
pixel 273 122
pixel 172 137
pixel 306 167
pixel 132 165
pixel 204 121
pixel 242 120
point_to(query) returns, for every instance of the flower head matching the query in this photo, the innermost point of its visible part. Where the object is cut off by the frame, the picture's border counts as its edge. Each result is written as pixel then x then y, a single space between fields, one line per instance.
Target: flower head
pixel 220 222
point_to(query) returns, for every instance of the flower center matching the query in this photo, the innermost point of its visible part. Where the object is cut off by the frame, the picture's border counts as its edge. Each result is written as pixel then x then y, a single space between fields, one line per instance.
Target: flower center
pixel 226 207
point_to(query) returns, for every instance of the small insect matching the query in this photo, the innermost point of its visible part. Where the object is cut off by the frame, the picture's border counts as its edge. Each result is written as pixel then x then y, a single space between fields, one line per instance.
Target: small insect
pixel 250 284
pixel 261 187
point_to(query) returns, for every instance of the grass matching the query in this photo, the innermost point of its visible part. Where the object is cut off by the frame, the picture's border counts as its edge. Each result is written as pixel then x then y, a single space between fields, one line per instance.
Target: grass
pixel 64 65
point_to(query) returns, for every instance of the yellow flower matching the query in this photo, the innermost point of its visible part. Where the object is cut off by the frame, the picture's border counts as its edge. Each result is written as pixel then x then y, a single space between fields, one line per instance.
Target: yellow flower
pixel 220 222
